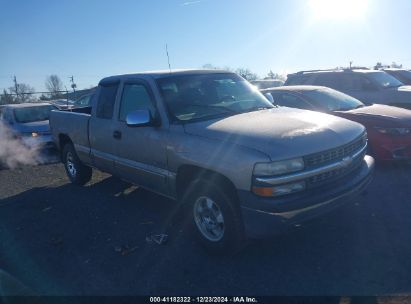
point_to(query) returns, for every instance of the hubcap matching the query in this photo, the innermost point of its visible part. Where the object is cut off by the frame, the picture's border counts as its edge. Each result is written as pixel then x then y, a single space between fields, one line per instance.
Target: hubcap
pixel 209 218
pixel 71 168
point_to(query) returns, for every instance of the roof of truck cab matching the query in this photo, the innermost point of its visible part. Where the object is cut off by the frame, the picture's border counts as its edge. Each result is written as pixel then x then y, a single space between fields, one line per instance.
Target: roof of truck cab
pixel 162 73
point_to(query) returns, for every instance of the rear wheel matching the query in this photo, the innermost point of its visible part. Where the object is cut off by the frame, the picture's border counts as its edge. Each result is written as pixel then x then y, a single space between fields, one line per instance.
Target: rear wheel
pixel 216 217
pixel 77 172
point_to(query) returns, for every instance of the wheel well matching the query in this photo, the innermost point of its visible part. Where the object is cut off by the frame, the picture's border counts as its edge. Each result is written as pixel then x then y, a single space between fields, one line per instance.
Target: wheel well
pixel 63 140
pixel 188 173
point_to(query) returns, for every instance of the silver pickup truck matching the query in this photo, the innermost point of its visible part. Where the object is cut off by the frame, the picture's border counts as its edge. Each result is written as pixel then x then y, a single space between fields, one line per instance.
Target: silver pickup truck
pixel 209 140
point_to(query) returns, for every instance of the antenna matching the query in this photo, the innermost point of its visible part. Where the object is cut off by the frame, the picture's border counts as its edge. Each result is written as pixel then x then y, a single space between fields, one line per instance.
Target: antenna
pixel 168 58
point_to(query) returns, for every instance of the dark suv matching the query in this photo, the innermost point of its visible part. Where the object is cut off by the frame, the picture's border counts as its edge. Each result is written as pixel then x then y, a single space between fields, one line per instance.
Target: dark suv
pixel 401 74
pixel 369 86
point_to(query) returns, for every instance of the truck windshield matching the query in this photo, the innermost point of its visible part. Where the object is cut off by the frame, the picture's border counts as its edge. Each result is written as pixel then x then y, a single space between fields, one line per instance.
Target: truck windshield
pixel 208 96
pixel 385 80
pixel 332 100
pixel 31 114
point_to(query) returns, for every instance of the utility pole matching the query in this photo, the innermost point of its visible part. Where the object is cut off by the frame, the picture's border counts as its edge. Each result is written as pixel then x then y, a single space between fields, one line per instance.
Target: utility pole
pixel 168 58
pixel 350 64
pixel 73 86
pixel 16 86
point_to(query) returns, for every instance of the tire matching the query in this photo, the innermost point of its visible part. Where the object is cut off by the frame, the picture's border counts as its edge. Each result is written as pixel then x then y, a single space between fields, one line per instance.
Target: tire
pixel 219 210
pixel 77 172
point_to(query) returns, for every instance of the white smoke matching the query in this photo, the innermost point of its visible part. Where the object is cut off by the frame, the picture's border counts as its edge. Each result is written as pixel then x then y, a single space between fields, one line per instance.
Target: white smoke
pixel 13 153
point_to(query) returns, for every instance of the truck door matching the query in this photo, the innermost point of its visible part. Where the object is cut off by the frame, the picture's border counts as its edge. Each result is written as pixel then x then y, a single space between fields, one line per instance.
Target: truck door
pixel 101 128
pixel 141 156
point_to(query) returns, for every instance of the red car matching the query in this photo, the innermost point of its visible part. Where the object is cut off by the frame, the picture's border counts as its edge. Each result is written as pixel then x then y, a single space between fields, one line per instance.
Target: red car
pixel 388 128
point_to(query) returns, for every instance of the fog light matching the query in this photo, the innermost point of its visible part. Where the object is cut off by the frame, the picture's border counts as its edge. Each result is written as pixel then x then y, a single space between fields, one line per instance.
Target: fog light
pixel 34 134
pixel 279 190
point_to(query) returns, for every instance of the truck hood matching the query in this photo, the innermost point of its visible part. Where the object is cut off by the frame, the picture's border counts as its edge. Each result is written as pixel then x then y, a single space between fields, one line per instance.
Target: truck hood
pixel 36 126
pixel 280 133
pixel 382 113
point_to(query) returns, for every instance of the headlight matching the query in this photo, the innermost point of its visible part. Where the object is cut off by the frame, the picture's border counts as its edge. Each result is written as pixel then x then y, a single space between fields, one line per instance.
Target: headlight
pixel 394 131
pixel 279 167
pixel 30 134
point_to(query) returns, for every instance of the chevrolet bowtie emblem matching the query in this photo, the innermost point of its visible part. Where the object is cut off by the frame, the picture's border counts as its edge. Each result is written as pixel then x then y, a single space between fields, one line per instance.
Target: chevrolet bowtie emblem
pixel 346 161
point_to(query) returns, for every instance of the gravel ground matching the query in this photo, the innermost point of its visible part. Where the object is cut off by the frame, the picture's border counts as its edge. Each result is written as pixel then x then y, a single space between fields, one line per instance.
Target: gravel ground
pixel 60 239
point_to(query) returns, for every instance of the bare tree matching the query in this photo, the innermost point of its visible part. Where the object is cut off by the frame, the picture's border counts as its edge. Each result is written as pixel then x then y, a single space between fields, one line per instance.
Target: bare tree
pixel 396 65
pixel 247 74
pixel 378 66
pixel 209 66
pixel 272 75
pixel 23 93
pixel 7 98
pixel 54 85
pixel 243 72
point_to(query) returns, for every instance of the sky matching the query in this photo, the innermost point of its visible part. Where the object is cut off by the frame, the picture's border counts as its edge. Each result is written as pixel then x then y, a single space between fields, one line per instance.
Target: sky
pixel 97 38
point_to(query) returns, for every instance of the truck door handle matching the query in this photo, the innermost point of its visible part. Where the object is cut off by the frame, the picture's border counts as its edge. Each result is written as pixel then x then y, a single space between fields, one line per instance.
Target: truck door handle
pixel 117 134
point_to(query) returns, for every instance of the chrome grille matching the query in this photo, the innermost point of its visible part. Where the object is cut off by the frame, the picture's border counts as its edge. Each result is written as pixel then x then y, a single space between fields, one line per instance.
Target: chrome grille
pixel 322 158
pixel 330 176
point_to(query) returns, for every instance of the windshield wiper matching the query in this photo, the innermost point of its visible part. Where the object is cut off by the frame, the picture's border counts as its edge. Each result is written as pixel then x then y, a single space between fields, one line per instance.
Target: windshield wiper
pixel 225 110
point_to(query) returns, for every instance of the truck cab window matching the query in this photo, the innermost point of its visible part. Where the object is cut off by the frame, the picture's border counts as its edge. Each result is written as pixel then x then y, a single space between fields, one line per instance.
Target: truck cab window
pixel 107 97
pixel 135 97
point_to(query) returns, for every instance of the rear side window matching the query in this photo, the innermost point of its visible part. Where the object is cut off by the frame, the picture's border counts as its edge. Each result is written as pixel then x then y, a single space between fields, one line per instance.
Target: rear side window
pixel 135 97
pixel 106 100
pixel 330 80
pixel 353 82
pixel 342 81
pixel 291 101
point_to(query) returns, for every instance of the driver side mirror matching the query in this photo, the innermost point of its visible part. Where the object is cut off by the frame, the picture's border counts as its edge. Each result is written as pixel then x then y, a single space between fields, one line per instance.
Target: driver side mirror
pixel 269 97
pixel 139 118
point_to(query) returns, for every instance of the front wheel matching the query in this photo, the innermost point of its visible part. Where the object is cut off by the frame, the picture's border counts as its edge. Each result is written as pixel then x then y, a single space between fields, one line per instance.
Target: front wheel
pixel 216 217
pixel 77 172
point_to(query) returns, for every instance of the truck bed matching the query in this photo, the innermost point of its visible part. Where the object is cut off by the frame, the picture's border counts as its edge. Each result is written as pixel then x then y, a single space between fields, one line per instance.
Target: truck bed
pixel 73 123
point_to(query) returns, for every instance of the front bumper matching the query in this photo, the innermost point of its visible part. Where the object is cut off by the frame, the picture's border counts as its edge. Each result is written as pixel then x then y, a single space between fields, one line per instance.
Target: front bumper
pixel 41 142
pixel 267 216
